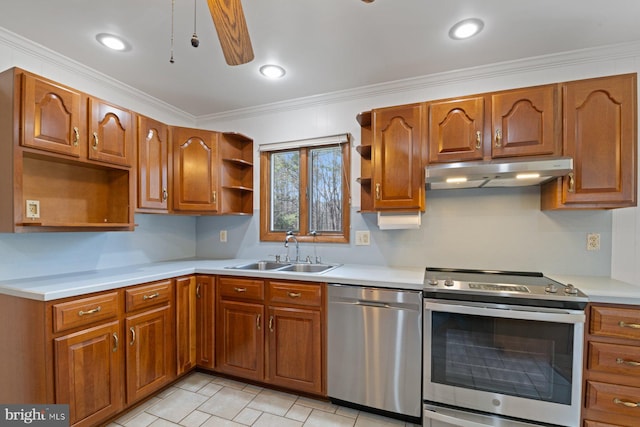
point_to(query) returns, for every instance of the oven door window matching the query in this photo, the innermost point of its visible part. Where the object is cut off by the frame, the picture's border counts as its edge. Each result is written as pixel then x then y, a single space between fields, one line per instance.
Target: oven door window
pixel 523 358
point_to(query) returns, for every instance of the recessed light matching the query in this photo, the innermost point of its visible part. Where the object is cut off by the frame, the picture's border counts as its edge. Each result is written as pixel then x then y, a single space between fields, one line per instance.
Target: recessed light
pixel 112 42
pixel 465 29
pixel 272 71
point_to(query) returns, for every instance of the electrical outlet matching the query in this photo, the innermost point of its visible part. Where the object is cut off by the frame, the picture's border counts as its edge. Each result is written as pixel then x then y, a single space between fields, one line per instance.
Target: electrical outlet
pixel 363 238
pixel 223 236
pixel 593 241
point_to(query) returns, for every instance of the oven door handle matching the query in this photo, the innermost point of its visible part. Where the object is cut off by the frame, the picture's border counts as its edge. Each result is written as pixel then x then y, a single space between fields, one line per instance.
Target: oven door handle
pixel 506 311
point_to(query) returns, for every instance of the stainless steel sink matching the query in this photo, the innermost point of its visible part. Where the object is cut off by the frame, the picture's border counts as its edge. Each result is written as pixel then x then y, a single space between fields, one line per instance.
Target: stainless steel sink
pixel 260 265
pixel 297 267
pixel 308 268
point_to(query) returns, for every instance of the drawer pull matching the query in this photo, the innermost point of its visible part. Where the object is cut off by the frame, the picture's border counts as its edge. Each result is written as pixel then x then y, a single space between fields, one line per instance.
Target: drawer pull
pixel 92 311
pixel 621 361
pixel 626 403
pixel 271 323
pixel 133 335
pixel 258 318
pixel 115 342
pixel 294 294
pixel 629 325
pixel 240 290
pixel 152 296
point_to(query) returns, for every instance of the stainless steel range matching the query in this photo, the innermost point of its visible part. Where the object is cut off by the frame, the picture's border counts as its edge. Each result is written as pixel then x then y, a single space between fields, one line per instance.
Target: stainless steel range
pixel 501 349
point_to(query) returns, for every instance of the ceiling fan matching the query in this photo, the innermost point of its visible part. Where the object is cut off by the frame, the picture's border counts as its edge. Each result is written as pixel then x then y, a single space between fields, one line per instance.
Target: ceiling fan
pixel 231 26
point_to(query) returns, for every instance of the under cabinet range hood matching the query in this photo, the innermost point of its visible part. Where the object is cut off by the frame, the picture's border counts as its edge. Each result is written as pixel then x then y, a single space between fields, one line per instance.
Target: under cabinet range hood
pixel 497 173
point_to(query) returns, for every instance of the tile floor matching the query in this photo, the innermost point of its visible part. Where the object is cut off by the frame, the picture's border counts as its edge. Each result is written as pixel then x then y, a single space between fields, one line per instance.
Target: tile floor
pixel 206 400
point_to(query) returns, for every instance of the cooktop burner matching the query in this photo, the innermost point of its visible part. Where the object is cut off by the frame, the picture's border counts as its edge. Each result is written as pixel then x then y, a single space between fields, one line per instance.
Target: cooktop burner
pixel 513 287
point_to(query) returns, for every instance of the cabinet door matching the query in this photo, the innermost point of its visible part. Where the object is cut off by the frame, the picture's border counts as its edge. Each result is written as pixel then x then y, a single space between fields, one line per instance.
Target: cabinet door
pixel 600 135
pixel 397 158
pixel 456 130
pixel 52 116
pixel 195 180
pixel 186 323
pixel 149 346
pixel 294 356
pixel 240 339
pixel 111 133
pixel 153 152
pixel 88 373
pixel 205 321
pixel 525 122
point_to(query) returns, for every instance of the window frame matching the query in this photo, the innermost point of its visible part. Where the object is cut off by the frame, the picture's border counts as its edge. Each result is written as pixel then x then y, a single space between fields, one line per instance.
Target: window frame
pixel 303 234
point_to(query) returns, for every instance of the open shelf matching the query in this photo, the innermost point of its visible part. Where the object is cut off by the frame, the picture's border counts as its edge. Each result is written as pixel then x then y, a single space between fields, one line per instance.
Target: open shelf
pixel 366 163
pixel 74 195
pixel 236 174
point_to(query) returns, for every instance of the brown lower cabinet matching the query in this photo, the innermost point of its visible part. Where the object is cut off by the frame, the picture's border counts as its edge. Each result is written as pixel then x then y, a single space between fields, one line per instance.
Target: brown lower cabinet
pixel 271 331
pixel 612 366
pixel 102 353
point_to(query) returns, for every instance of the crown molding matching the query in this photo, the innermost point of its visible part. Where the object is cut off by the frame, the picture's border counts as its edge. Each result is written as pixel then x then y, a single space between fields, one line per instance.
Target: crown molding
pixel 521 66
pixel 53 59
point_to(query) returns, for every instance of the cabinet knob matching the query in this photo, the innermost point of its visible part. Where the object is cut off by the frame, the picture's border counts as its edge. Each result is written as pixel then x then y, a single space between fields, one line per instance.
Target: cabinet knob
pixel 377 191
pixel 95 141
pixel 478 140
pixel 165 194
pixel 76 136
pixel 572 183
pixel 498 138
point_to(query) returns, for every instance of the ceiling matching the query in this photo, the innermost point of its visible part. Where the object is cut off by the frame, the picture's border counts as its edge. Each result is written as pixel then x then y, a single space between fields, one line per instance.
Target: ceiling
pixel 325 45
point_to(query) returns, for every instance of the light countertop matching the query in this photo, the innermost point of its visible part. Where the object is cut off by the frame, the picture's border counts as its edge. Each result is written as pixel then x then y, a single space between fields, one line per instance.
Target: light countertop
pixel 47 288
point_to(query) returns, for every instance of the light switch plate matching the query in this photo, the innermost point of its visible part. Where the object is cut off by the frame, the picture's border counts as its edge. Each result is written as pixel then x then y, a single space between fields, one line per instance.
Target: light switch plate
pixel 223 236
pixel 33 209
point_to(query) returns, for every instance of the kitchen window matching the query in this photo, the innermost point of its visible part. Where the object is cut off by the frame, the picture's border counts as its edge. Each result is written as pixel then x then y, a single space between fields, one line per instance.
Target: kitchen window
pixel 304 189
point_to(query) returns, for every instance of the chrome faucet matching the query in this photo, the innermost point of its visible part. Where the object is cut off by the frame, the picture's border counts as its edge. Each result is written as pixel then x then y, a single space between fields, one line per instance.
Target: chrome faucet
pixel 290 237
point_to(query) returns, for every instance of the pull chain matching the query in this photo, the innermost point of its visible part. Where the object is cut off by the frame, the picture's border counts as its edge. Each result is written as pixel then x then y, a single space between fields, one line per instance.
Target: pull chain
pixel 194 38
pixel 173 3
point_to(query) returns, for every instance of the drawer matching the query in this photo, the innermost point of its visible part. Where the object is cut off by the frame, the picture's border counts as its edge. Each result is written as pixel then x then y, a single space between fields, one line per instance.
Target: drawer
pixel 295 294
pixel 84 311
pixel 614 359
pixel 589 423
pixel 148 295
pixel 615 322
pixel 614 399
pixel 233 288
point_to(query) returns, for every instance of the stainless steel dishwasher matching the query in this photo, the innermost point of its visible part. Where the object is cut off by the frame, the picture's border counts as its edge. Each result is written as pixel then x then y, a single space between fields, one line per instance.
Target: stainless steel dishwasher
pixel 374 348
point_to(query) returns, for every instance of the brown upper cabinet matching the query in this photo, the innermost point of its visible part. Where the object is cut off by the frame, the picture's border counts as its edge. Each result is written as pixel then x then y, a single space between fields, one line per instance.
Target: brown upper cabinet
pixel 112 133
pixel 523 122
pixel 456 130
pixel 195 174
pixel 49 178
pixel 212 172
pixel 600 133
pixel 53 116
pixel 392 159
pixel 153 165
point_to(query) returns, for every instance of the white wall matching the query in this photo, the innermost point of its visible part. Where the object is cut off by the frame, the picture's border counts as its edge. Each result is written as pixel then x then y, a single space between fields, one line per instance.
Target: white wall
pixel 499 228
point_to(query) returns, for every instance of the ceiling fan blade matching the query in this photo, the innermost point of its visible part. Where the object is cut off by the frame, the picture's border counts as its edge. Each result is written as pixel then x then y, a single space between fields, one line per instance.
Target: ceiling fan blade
pixel 231 26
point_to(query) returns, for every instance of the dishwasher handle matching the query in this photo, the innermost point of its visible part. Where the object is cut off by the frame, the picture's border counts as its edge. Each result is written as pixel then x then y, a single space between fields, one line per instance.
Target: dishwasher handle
pixel 376 304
